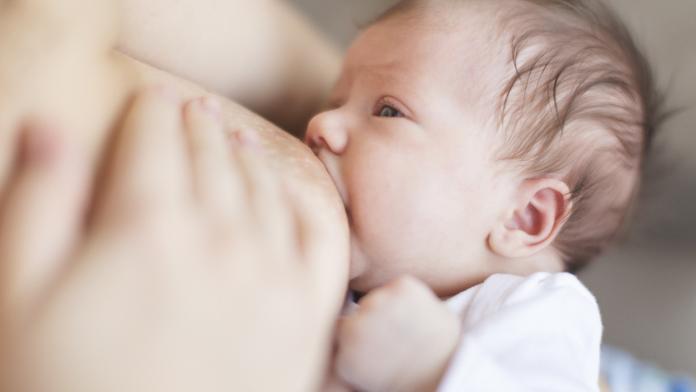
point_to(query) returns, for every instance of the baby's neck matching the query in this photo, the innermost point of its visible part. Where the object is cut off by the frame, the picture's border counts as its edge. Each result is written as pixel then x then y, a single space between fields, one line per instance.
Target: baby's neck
pixel 548 260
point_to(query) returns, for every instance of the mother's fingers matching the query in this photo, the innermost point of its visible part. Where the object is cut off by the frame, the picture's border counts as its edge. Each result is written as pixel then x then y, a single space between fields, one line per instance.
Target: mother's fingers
pixel 148 170
pixel 42 212
pixel 267 204
pixel 215 185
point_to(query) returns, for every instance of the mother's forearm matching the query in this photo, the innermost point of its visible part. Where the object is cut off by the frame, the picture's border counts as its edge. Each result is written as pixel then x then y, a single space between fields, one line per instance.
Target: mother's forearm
pixel 93 21
pixel 58 66
pixel 263 54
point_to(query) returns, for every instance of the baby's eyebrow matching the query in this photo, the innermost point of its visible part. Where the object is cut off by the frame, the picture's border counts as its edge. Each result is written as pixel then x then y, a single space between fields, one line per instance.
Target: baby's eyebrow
pixel 382 69
pixel 391 77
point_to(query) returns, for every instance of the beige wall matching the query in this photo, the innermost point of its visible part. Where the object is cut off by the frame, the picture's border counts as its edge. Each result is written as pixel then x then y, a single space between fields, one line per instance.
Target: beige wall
pixel 646 287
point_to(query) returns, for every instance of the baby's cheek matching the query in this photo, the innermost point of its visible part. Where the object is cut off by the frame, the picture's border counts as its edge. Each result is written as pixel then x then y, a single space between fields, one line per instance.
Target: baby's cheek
pixel 383 205
pixel 387 232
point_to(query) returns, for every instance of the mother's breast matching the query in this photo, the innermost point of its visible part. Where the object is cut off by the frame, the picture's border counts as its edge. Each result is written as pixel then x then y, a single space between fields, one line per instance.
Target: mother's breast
pixel 300 169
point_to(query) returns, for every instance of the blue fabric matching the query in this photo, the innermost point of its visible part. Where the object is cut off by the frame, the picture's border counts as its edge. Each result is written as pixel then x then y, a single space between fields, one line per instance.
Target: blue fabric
pixel 624 373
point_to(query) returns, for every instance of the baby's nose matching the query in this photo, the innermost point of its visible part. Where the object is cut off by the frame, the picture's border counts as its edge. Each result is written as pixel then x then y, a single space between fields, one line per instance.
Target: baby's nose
pixel 326 131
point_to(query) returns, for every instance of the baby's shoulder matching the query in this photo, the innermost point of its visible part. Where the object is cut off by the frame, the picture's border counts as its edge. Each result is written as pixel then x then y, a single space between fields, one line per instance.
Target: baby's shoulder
pixel 551 298
pixel 526 333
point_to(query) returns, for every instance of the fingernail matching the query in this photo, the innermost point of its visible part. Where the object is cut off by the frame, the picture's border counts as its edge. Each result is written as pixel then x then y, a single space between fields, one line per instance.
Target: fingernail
pixel 212 106
pixel 248 138
pixel 166 92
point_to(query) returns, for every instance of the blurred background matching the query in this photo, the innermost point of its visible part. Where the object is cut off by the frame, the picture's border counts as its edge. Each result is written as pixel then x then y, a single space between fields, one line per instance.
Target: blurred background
pixel 646 287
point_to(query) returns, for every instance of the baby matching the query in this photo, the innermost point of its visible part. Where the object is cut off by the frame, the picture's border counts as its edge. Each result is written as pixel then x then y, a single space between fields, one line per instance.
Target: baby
pixel 482 148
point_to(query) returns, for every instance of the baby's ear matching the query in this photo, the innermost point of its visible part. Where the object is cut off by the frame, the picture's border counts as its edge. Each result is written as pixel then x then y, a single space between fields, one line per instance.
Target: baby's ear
pixel 540 208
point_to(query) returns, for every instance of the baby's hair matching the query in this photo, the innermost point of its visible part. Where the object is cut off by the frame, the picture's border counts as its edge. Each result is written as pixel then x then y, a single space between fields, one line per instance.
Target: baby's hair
pixel 579 103
pixel 582 104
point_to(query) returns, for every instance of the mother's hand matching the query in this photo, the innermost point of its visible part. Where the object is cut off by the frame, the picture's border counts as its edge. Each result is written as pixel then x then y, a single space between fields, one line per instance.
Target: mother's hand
pixel 189 275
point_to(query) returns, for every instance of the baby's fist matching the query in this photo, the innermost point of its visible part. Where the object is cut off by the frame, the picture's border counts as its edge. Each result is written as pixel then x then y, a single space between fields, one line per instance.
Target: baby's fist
pixel 400 339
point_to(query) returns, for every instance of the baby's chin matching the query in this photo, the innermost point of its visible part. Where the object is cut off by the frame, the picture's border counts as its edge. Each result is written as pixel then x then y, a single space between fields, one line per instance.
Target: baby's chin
pixel 367 273
pixel 361 276
pixel 358 261
pixel 361 285
pixel 370 280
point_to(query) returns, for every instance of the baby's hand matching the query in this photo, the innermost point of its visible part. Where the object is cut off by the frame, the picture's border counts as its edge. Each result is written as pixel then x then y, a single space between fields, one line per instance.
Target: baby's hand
pixel 400 339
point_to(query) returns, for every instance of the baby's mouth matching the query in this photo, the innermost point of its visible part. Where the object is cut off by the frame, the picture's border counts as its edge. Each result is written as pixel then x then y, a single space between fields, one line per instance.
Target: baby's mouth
pixel 343 198
pixel 333 169
pixel 346 207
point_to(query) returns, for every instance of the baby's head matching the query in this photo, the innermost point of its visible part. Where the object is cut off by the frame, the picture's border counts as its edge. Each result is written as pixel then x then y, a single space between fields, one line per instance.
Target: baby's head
pixel 476 137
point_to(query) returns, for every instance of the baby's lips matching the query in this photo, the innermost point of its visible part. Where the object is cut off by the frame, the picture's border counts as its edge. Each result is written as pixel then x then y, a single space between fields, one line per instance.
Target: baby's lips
pixel 332 166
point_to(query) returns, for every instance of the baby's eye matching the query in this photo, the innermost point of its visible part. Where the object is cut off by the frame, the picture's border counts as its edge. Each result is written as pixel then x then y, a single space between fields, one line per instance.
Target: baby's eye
pixel 389 111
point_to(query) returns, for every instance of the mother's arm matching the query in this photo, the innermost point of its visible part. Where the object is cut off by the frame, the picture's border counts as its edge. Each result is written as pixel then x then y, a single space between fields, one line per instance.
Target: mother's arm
pixel 261 53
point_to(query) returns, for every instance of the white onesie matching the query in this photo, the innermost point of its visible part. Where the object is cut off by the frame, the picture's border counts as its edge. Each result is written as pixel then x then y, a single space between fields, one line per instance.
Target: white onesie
pixel 537 333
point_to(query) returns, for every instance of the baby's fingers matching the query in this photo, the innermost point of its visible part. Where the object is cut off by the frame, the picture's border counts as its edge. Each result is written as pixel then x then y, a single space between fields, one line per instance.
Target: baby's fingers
pixel 42 212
